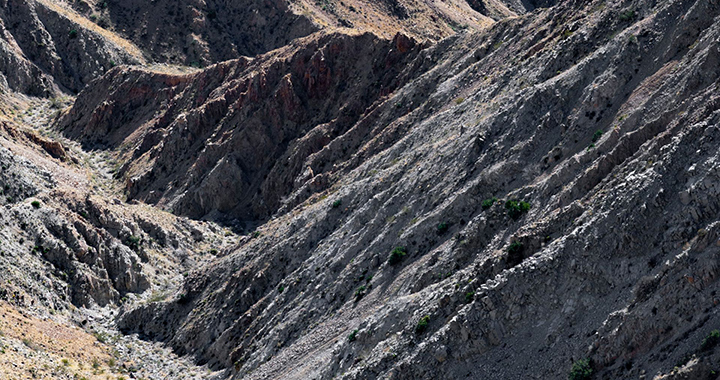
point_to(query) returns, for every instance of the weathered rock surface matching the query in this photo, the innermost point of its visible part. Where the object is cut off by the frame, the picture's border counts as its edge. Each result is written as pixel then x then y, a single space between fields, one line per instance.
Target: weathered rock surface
pixel 342 147
pixel 618 257
pixel 204 32
pixel 45 44
pixel 233 139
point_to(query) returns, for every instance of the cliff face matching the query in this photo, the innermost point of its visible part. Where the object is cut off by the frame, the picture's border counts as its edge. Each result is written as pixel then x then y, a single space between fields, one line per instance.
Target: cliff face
pixel 516 198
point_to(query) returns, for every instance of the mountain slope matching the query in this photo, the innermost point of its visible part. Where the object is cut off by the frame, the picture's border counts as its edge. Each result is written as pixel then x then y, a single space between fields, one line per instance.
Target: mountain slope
pixel 518 199
pixel 601 115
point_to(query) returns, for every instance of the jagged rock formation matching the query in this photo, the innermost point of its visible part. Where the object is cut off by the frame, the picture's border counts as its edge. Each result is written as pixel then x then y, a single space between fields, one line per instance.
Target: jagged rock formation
pixel 199 33
pixel 385 179
pixel 44 44
pixel 195 148
pixel 602 115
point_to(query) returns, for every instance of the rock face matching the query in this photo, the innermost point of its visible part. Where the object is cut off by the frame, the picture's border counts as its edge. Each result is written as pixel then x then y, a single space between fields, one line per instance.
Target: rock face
pixel 505 203
pixel 45 44
pixel 199 153
pixel 200 33
pixel 603 116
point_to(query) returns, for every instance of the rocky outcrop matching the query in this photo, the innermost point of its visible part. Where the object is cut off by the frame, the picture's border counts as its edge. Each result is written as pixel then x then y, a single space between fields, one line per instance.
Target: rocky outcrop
pixel 603 116
pixel 46 44
pixel 190 142
pixel 201 33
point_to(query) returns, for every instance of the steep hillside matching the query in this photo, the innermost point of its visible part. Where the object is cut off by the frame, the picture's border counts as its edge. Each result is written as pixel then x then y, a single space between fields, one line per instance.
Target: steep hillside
pixel 601 115
pixel 199 33
pixel 195 149
pixel 45 44
pixel 362 198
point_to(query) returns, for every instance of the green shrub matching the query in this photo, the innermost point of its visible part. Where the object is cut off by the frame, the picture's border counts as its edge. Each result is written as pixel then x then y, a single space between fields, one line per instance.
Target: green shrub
pixel 597 135
pixel 422 324
pixel 580 370
pixel 352 336
pixel 35 204
pixel 469 296
pixel 515 247
pixel 628 15
pixel 73 34
pixel 486 204
pixel 397 255
pixel 134 242
pixel 360 293
pixel 442 228
pixel 515 209
pixel 710 341
pixel 337 203
pixel 281 289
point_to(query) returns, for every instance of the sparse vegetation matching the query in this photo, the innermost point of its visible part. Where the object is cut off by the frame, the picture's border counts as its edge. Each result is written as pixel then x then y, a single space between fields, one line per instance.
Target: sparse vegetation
pixel 628 15
pixel 442 228
pixel 515 209
pixel 337 203
pixel 360 293
pixel 73 34
pixel 515 248
pixel 397 255
pixel 469 296
pixel 459 100
pixel 580 370
pixel 486 204
pixel 353 336
pixel 133 242
pixel 597 135
pixel 710 341
pixel 35 204
pixel 422 324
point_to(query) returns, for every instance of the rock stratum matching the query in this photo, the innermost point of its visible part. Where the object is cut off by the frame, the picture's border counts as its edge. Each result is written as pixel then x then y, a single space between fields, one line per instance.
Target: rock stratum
pixel 404 191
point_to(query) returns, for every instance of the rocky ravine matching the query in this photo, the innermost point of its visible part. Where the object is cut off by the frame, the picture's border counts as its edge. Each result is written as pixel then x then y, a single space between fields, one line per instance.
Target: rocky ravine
pixel 341 147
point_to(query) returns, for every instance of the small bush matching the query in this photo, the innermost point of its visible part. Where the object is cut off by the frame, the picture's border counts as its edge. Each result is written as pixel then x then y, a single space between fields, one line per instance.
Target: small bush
pixel 73 34
pixel 281 289
pixel 515 247
pixel 515 209
pixel 134 242
pixel 628 15
pixel 486 204
pixel 580 370
pixel 360 293
pixel 337 203
pixel 352 336
pixel 397 255
pixel 710 341
pixel 597 135
pixel 469 296
pixel 35 204
pixel 422 324
pixel 442 228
